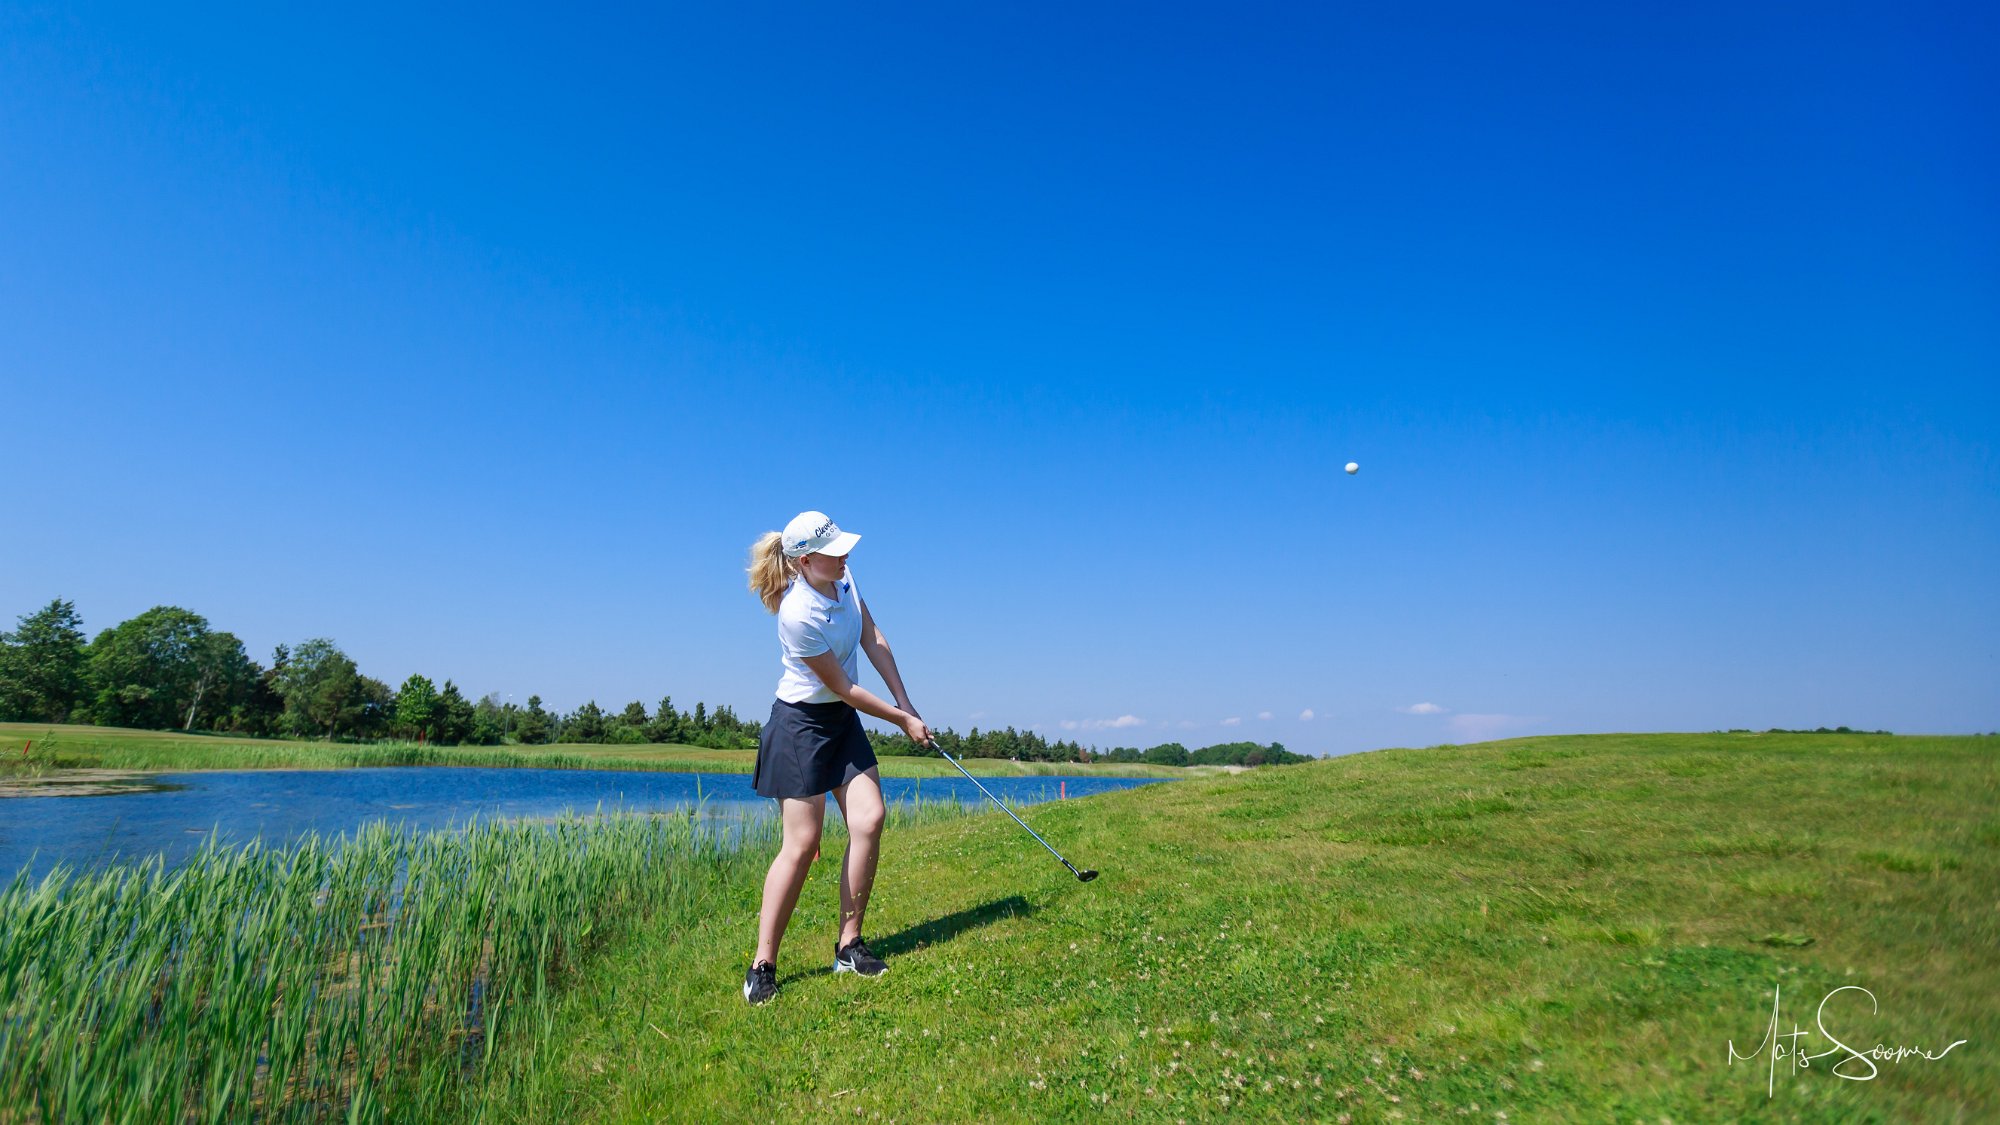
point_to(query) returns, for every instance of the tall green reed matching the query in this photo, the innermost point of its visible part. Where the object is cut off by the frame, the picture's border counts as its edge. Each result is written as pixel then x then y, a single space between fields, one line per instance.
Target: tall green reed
pixel 323 979
pixel 361 978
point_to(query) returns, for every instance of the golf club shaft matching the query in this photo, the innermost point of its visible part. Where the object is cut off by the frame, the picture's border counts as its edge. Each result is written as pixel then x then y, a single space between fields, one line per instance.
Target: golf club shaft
pixel 1008 811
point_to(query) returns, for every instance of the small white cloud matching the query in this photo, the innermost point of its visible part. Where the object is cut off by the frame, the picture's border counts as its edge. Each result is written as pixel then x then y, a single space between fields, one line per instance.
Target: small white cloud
pixel 1185 724
pixel 1263 714
pixel 1422 709
pixel 1118 723
pixel 1233 721
pixel 1306 715
pixel 976 716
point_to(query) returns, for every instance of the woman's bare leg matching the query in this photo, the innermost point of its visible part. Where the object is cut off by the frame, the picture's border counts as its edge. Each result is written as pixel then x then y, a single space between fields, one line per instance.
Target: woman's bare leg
pixel 802 817
pixel 861 805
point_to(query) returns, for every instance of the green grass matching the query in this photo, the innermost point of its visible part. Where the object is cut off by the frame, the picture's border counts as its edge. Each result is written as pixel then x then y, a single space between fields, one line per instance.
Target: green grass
pixel 79 747
pixel 1547 929
pixel 390 976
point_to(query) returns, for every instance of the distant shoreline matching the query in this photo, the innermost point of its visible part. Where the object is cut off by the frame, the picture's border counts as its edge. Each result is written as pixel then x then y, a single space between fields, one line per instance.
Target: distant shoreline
pixel 39 749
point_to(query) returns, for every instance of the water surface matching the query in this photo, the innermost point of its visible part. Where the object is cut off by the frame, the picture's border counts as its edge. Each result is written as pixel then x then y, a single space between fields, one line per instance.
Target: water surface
pixel 175 812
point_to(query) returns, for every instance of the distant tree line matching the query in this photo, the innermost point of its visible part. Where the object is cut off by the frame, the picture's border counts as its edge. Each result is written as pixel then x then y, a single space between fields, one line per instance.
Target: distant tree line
pixel 1027 746
pixel 1815 730
pixel 1221 754
pixel 166 669
pixel 720 728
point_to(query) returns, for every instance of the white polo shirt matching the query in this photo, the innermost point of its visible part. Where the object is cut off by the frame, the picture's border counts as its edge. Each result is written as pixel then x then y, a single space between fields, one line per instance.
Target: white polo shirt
pixel 809 624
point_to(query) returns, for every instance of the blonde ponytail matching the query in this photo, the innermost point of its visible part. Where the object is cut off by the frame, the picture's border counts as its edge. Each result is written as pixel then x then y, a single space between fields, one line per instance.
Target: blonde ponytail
pixel 770 571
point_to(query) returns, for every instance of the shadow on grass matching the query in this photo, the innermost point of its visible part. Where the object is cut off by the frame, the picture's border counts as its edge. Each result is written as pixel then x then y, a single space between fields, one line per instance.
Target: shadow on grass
pixel 937 931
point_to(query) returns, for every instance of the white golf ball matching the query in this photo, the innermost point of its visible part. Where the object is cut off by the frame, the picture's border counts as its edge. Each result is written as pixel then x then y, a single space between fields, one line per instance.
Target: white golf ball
pixel 1353 468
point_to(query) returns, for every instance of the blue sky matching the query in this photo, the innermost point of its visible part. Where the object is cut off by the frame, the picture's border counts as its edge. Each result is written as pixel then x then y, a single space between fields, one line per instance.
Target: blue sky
pixel 486 341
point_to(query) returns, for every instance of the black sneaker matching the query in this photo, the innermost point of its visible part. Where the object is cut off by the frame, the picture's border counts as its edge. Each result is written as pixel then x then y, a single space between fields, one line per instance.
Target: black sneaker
pixel 760 984
pixel 855 958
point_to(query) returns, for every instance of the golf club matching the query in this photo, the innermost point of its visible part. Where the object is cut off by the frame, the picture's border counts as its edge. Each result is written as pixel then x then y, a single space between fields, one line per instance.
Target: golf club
pixel 1084 876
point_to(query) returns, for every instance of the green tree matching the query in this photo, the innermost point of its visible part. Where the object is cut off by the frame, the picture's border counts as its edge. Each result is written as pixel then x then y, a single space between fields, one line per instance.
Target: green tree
pixel 456 719
pixel 262 709
pixel 417 707
pixel 44 666
pixel 719 729
pixel 225 680
pixel 665 725
pixel 1166 754
pixel 534 725
pixel 627 726
pixel 148 672
pixel 489 721
pixel 323 691
pixel 259 708
pixel 375 711
pixel 742 732
pixel 1222 754
pixel 1277 755
pixel 586 724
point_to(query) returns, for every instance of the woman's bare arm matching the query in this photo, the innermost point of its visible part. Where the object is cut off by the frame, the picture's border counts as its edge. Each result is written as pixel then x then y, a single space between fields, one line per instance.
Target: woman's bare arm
pixel 861 699
pixel 877 647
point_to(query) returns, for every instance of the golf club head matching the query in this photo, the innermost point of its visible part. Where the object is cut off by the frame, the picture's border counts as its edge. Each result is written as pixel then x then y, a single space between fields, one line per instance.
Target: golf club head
pixel 1085 875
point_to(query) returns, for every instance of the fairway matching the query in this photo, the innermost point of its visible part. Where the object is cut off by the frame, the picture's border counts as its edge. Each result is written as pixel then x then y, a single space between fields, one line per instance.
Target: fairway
pixel 1545 929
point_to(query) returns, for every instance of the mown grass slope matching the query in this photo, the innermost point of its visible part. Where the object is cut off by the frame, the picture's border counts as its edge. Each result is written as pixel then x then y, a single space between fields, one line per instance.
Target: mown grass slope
pixel 41 747
pixel 1546 929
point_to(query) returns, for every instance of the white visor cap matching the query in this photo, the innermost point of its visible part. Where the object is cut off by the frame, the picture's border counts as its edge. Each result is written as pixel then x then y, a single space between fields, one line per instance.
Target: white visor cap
pixel 814 533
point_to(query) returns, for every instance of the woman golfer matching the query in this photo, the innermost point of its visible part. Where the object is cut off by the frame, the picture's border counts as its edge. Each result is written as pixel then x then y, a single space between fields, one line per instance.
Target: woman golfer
pixel 814 743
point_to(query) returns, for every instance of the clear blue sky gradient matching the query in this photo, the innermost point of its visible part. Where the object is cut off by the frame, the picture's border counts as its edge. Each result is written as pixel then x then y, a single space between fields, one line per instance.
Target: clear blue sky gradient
pixel 485 342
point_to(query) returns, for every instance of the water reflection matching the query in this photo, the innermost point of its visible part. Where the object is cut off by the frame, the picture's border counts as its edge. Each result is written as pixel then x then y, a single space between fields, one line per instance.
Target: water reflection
pixel 84 783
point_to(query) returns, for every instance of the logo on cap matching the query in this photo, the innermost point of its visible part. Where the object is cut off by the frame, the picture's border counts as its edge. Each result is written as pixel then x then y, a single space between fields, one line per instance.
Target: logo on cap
pixel 815 531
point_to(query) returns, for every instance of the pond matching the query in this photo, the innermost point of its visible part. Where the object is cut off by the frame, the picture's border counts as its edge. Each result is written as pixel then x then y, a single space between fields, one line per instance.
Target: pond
pixel 173 813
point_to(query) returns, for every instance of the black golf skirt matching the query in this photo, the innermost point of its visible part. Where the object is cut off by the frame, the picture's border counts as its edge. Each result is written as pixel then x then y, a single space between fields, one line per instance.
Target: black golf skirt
pixel 810 748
